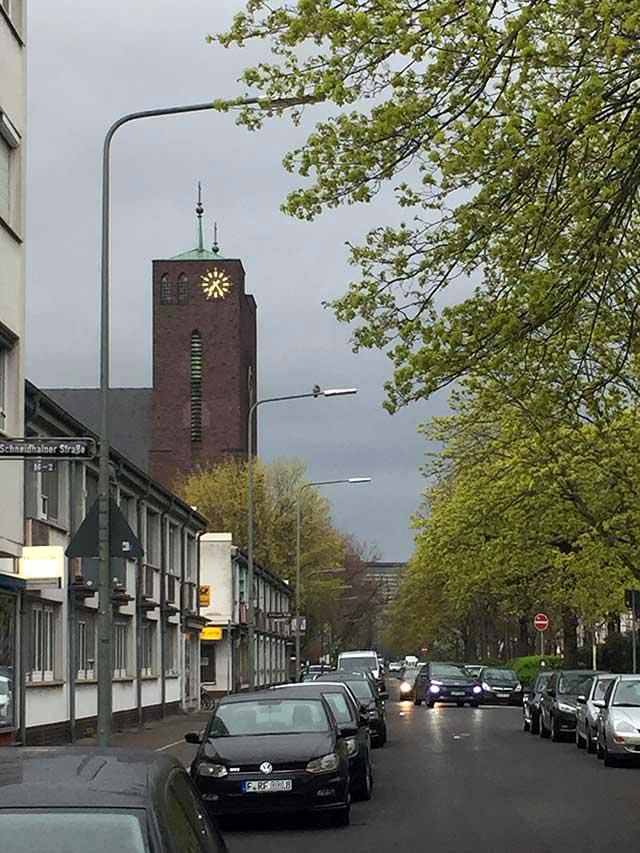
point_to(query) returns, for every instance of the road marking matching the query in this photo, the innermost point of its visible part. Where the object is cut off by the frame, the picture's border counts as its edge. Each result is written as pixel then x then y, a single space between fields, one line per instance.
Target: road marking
pixel 169 745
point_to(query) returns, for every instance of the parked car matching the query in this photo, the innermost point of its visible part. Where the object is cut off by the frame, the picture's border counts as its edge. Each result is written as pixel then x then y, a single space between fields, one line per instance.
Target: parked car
pixel 500 686
pixel 369 697
pixel 348 714
pixel 408 681
pixel 111 800
pixel 446 682
pixel 531 703
pixel 618 723
pixel 559 702
pixel 587 713
pixel 274 752
pixel 363 661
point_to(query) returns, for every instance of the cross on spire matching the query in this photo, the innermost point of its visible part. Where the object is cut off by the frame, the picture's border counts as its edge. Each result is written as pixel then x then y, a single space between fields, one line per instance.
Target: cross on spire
pixel 199 212
pixel 215 247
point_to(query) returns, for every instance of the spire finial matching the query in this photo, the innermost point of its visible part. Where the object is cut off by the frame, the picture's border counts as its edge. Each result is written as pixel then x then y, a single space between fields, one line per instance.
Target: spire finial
pixel 199 212
pixel 216 247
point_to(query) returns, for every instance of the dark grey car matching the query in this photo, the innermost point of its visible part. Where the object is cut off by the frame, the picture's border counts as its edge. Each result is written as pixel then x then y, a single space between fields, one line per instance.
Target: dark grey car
pixel 531 703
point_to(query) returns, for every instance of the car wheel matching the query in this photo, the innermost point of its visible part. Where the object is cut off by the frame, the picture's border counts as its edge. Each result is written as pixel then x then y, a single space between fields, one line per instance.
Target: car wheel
pixel 591 747
pixel 342 817
pixel 417 701
pixel 363 786
pixel 556 734
pixel 535 724
pixel 526 725
pixel 544 731
pixel 460 704
pixel 430 704
pixel 609 760
pixel 599 750
pixel 474 704
pixel 382 737
pixel 580 742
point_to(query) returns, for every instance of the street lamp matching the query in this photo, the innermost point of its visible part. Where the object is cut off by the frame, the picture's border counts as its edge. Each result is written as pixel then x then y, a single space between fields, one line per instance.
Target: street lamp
pixel 317 391
pixel 105 586
pixel 349 481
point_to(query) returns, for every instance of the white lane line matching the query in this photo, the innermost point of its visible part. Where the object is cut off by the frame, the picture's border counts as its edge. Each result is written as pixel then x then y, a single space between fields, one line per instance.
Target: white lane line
pixel 169 745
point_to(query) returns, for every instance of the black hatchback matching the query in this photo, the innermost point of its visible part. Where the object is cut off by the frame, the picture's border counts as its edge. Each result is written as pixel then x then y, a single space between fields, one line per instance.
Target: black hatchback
pixel 112 800
pixel 446 682
pixel 274 751
pixel 370 698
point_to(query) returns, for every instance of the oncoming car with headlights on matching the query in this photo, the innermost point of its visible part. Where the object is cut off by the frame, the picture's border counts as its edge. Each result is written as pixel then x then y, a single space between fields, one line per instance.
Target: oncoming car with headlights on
pixel 274 752
pixel 446 682
pixel 407 682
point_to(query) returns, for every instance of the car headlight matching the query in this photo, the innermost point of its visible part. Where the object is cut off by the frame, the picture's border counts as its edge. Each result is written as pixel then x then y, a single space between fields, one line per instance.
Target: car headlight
pixel 477 688
pixel 439 683
pixel 213 771
pixel 435 688
pixel 405 687
pixel 326 764
pixel 352 746
pixel 566 708
pixel 518 686
pixel 624 726
pixel 486 686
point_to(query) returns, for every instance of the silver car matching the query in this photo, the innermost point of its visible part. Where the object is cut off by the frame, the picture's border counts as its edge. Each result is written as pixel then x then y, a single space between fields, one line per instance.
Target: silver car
pixel 618 725
pixel 587 713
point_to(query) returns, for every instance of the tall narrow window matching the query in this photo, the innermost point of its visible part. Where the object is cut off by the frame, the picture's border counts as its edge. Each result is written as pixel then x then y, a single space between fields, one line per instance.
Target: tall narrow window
pixel 165 290
pixel 183 289
pixel 196 387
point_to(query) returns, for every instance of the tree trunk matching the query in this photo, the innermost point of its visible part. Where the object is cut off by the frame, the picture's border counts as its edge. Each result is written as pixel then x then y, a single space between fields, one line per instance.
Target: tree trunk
pixel 523 636
pixel 570 633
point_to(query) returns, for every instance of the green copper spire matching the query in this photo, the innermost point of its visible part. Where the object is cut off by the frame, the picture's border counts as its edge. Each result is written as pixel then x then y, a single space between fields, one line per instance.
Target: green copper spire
pixel 199 212
pixel 200 253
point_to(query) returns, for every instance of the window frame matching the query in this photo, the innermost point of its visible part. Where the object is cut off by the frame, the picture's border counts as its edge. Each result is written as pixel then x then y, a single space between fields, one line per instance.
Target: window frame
pixel 166 290
pixel 86 647
pixel 147 648
pixel 5 354
pixel 120 649
pixel 42 652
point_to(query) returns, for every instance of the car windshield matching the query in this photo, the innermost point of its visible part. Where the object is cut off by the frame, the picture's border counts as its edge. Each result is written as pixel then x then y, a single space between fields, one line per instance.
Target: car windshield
pixel 339 706
pixel 362 689
pixel 444 670
pixel 501 675
pixel 357 664
pixel 411 674
pixel 627 695
pixel 269 717
pixel 72 831
pixel 542 680
pixel 575 682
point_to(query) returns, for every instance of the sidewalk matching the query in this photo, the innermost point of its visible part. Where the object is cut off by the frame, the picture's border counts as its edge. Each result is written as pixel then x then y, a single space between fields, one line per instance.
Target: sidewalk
pixel 158 734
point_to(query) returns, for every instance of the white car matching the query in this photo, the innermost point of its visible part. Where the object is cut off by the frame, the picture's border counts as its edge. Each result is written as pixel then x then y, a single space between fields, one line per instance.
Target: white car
pixel 618 725
pixel 364 661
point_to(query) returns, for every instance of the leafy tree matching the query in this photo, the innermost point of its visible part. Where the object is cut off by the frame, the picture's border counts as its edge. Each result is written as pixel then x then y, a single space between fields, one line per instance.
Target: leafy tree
pixel 509 133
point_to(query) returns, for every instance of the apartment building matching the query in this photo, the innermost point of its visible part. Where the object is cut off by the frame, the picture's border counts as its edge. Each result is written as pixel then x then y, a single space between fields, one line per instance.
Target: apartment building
pixel 156 639
pixel 224 603
pixel 13 109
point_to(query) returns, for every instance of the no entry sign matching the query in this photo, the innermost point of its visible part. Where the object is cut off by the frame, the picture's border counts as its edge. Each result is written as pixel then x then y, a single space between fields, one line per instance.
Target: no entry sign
pixel 540 622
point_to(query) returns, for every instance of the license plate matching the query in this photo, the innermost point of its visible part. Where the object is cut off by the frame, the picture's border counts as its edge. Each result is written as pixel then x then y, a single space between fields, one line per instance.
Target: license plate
pixel 267 786
pixel 457 692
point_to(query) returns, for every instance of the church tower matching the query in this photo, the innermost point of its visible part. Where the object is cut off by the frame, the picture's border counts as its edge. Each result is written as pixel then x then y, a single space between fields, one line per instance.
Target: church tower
pixel 204 360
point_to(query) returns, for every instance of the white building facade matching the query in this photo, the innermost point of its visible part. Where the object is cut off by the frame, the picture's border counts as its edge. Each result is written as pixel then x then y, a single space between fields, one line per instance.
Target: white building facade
pixel 224 604
pixel 156 637
pixel 13 108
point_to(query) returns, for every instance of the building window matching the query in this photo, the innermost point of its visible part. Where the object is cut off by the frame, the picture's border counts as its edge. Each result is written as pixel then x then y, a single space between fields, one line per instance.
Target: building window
pixel 165 290
pixel 9 140
pixel 4 376
pixel 148 581
pixel 7 659
pixel 171 588
pixel 50 490
pixel 86 647
pixel 171 649
pixel 148 643
pixel 43 637
pixel 120 657
pixel 183 289
pixel 153 538
pixel 196 387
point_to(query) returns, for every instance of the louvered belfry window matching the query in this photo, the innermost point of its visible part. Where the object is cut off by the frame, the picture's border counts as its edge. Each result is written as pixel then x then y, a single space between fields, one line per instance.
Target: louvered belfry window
pixel 165 290
pixel 183 289
pixel 196 387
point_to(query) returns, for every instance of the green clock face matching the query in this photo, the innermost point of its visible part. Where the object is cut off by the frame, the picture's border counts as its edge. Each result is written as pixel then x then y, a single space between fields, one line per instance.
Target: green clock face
pixel 215 284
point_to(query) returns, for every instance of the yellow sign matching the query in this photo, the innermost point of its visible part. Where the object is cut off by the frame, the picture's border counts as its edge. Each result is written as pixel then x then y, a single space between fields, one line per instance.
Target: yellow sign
pixel 42 562
pixel 205 595
pixel 211 633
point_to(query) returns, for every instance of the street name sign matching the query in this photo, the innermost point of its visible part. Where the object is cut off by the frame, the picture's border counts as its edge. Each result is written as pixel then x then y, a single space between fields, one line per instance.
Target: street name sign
pixel 541 622
pixel 47 448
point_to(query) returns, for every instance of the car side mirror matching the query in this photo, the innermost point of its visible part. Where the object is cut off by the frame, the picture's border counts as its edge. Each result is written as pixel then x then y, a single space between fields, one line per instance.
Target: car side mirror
pixel 193 737
pixel 551 693
pixel 364 718
pixel 384 694
pixel 599 703
pixel 582 700
pixel 348 730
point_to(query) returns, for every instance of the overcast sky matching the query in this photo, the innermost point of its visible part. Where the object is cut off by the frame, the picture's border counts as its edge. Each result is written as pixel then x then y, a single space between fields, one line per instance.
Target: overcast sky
pixel 89 63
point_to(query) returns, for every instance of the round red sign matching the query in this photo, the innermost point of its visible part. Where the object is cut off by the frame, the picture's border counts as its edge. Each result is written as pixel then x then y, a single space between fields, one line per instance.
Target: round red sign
pixel 540 622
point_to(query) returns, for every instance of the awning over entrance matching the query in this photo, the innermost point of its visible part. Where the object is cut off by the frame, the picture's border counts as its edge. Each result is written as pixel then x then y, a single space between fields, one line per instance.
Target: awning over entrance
pixel 12 582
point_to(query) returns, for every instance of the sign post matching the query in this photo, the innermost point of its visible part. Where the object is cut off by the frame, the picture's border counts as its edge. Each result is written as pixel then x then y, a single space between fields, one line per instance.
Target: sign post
pixel 632 599
pixel 541 623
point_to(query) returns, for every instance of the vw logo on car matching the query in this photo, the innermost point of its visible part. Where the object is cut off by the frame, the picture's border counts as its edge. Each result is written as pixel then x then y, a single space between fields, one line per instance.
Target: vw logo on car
pixel 266 768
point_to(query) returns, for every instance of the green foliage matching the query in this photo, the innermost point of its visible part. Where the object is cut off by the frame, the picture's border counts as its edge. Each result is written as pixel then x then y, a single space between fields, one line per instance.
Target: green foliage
pixel 510 137
pixel 527 668
pixel 616 655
